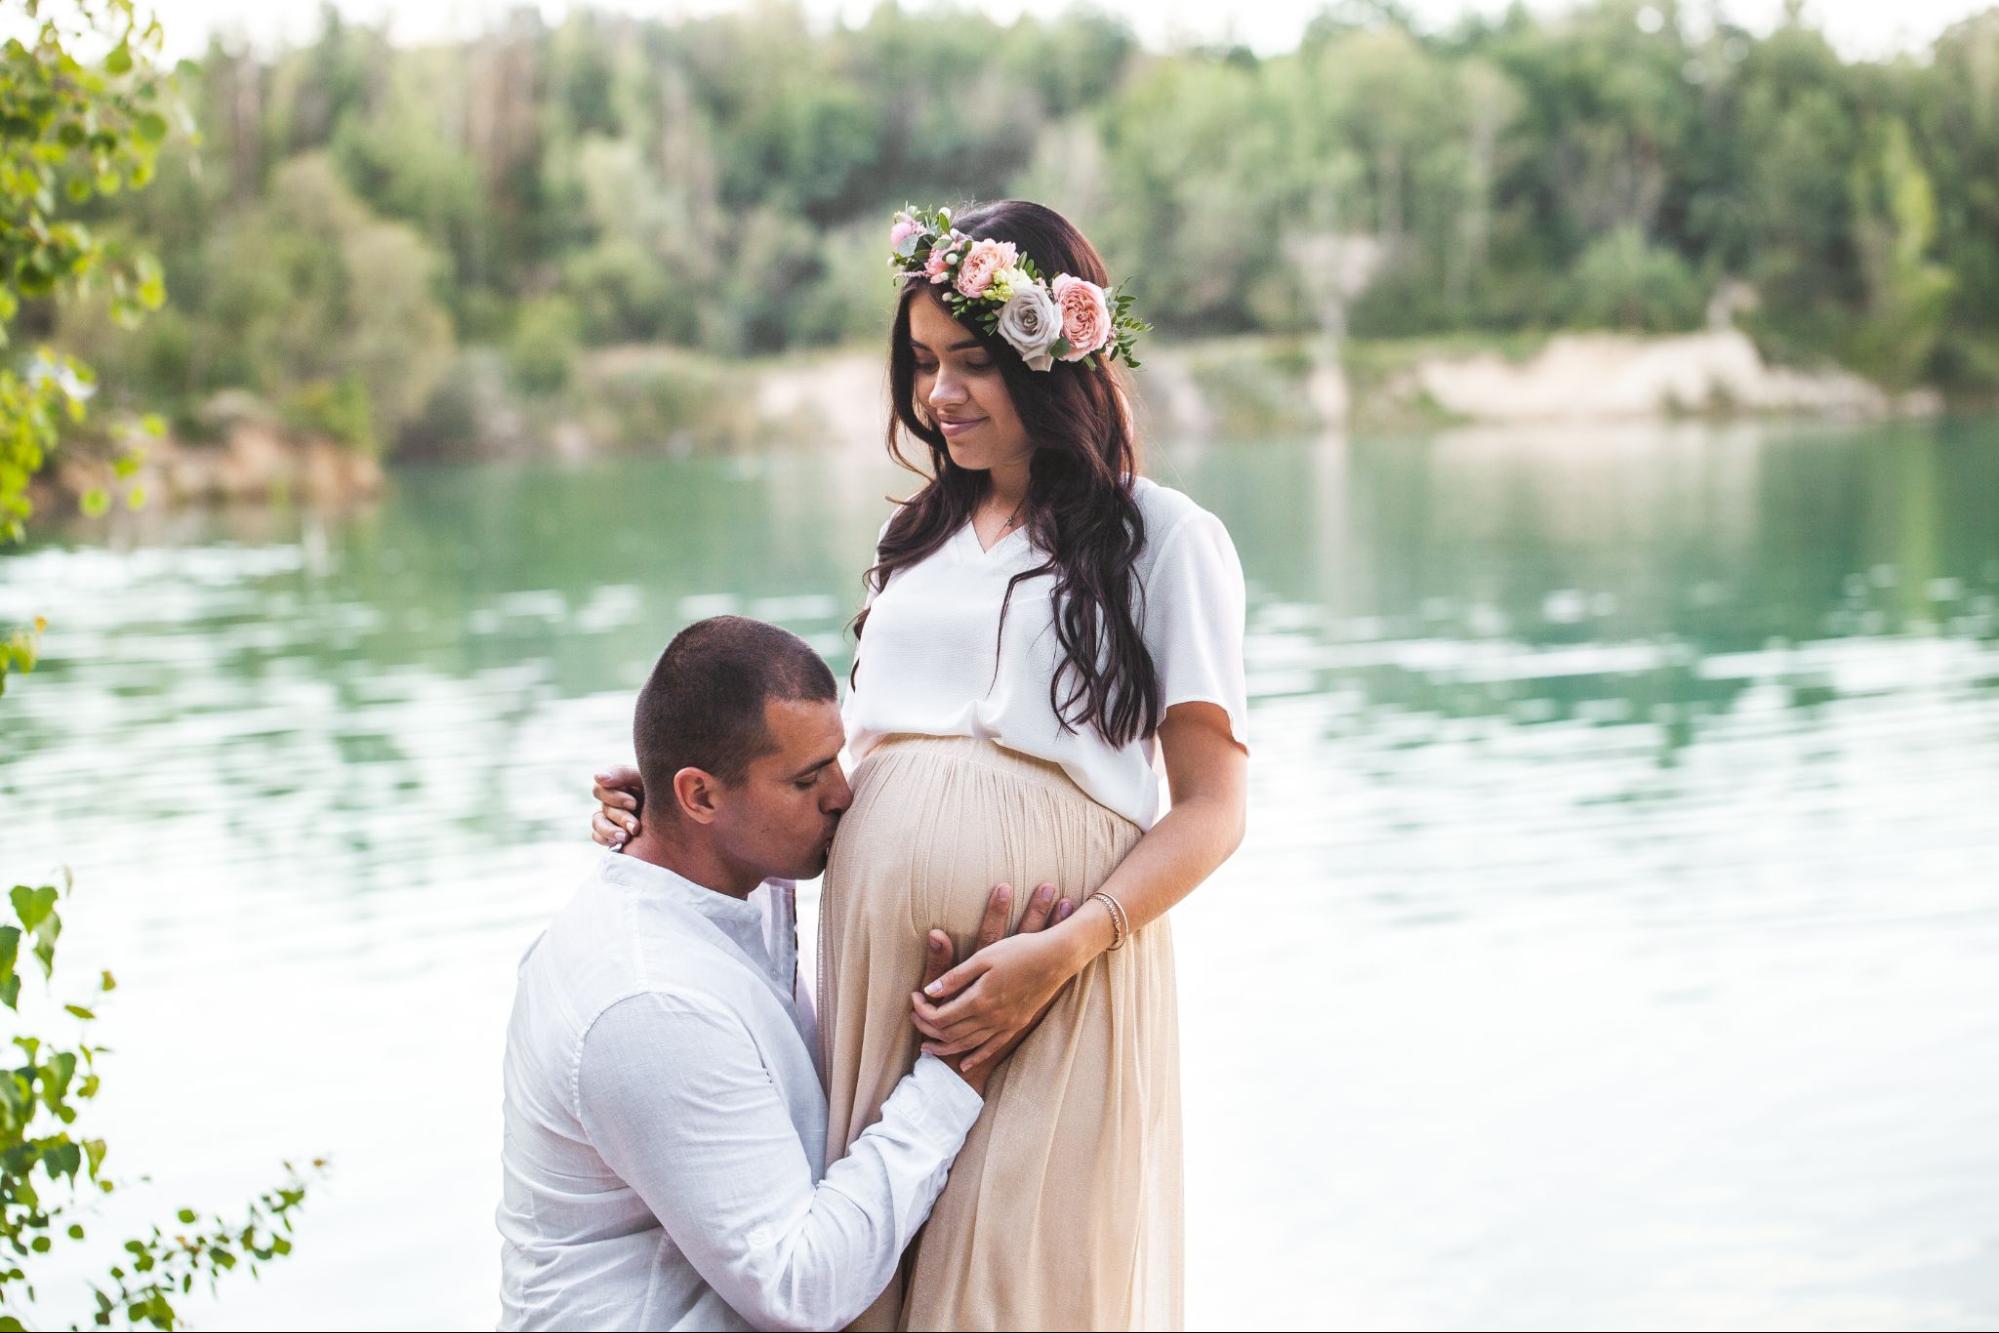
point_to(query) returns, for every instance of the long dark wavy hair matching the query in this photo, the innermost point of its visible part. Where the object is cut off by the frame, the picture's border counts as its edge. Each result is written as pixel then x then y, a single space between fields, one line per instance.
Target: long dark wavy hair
pixel 1079 508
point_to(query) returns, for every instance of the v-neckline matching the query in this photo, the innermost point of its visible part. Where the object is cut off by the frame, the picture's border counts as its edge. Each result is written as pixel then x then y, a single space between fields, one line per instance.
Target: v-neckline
pixel 985 552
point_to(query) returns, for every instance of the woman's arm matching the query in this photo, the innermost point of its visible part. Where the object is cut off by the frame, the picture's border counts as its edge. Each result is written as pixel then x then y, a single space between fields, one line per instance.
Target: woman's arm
pixel 620 791
pixel 1003 988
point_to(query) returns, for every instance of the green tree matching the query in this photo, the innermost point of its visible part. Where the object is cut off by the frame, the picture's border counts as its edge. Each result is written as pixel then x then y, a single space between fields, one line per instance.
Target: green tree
pixel 1621 282
pixel 72 130
pixel 1908 294
pixel 69 131
pixel 542 352
pixel 329 304
pixel 710 182
pixel 1954 117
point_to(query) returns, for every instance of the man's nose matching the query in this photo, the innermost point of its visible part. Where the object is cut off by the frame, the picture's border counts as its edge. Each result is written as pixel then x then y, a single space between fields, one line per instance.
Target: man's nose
pixel 840 796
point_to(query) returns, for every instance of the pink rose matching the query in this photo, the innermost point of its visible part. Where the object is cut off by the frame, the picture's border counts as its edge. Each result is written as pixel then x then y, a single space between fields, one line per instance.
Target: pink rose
pixel 904 228
pixel 937 267
pixel 984 259
pixel 1086 315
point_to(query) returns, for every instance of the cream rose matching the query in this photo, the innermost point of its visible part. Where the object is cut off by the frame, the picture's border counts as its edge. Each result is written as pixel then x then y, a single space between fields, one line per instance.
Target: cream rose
pixel 1005 282
pixel 1086 315
pixel 1031 323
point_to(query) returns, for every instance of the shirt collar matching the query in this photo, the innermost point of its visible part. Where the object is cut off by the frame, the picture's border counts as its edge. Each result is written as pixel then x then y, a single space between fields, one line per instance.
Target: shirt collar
pixel 738 917
pixel 762 928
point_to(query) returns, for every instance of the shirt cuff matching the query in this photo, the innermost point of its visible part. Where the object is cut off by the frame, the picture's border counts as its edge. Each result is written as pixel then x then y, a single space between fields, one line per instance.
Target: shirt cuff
pixel 944 1103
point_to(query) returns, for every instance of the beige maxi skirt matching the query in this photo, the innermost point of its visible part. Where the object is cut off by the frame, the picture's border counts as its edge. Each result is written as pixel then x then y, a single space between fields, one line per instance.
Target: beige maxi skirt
pixel 1063 1209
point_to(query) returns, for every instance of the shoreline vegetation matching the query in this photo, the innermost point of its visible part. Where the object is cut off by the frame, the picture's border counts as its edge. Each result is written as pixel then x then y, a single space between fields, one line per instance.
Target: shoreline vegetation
pixel 643 399
pixel 614 232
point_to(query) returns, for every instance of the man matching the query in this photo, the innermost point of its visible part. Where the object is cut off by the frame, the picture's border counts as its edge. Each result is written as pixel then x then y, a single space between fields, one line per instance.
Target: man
pixel 664 1158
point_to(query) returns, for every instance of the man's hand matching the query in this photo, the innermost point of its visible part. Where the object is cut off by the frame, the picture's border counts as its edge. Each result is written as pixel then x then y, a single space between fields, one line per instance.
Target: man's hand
pixel 1042 910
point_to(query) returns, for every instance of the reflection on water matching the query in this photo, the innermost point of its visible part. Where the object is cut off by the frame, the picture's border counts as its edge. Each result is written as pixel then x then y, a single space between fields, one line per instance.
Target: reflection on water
pixel 1610 947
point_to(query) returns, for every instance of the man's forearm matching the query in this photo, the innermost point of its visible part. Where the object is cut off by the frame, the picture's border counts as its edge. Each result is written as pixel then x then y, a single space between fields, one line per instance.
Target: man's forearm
pixel 825 1269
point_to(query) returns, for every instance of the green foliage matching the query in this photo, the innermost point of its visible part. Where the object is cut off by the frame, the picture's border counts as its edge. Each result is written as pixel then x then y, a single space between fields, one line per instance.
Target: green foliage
pixel 18 650
pixel 720 184
pixel 668 399
pixel 452 421
pixel 49 1171
pixel 71 131
pixel 623 293
pixel 331 308
pixel 337 408
pixel 1908 295
pixel 848 301
pixel 542 351
pixel 1621 282
pixel 1251 384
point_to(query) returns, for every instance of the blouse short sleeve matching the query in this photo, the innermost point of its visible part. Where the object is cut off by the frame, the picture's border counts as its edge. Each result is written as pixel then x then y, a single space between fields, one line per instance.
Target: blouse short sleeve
pixel 1195 611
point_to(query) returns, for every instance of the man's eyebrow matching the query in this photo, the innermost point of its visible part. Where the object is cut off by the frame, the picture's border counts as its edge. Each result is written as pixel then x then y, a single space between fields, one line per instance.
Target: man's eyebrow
pixel 954 347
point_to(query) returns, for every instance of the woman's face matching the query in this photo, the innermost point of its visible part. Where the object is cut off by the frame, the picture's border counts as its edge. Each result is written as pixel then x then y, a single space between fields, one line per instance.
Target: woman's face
pixel 959 387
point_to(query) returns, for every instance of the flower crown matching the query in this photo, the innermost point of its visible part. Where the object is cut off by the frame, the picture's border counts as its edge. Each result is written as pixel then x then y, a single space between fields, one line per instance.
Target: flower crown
pixel 993 284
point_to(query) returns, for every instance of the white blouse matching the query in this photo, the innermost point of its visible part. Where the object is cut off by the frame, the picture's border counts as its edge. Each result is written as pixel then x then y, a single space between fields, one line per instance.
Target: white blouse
pixel 929 661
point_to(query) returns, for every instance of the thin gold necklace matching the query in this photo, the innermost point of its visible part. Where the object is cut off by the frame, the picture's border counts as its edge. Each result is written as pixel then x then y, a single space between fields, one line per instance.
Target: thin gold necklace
pixel 1011 519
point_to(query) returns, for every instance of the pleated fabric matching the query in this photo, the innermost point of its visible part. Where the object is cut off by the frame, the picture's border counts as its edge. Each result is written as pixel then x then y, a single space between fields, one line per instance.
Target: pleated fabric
pixel 1063 1210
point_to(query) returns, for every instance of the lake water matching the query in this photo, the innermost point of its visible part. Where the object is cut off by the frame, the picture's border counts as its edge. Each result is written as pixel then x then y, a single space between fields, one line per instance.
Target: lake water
pixel 1613 944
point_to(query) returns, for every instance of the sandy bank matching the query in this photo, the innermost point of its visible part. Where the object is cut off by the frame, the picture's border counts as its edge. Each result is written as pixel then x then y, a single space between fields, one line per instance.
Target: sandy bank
pixel 1608 376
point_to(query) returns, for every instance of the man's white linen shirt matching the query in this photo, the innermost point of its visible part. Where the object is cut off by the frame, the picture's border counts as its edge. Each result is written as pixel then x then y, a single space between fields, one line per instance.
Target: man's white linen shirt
pixel 664 1158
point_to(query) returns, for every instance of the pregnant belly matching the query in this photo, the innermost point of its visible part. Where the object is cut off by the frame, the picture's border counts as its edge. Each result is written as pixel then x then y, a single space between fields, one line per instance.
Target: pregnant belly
pixel 937 821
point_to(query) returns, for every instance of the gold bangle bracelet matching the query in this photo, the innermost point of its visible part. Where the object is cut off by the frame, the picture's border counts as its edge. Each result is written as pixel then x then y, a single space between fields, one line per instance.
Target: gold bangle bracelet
pixel 1120 923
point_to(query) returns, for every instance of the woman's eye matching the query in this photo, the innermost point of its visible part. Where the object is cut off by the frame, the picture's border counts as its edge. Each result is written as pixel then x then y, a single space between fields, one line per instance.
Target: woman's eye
pixel 925 368
pixel 978 365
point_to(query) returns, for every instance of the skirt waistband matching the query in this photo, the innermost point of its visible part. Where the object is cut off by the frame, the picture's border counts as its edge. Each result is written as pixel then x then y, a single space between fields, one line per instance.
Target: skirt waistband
pixel 984 752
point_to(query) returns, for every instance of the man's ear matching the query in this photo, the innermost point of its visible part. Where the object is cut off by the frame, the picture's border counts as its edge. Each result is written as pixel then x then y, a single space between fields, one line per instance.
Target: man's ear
pixel 695 791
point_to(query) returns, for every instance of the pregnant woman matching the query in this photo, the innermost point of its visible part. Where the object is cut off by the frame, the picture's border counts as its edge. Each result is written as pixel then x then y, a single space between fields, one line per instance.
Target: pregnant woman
pixel 1039 624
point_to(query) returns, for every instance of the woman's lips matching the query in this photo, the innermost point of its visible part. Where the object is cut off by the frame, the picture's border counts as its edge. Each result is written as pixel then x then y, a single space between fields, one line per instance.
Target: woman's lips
pixel 955 428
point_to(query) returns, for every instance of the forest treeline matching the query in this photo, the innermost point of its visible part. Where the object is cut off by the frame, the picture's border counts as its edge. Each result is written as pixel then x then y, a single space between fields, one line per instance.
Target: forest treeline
pixel 369 236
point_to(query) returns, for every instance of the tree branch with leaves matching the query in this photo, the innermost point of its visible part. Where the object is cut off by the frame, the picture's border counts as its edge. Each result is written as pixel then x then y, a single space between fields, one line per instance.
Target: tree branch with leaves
pixel 73 129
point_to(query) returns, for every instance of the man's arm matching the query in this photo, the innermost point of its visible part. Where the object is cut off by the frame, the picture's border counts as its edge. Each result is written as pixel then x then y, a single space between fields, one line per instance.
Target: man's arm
pixel 674 1094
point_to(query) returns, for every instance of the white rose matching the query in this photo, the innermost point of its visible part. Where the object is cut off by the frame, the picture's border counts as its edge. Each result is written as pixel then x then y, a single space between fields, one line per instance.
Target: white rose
pixel 1031 323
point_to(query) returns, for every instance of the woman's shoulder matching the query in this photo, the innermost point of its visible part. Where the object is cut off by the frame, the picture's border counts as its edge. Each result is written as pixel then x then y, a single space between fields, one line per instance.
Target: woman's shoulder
pixel 1167 512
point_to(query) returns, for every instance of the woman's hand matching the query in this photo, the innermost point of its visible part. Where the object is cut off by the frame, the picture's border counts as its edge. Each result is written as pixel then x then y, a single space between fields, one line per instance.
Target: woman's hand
pixel 986 1002
pixel 621 793
pixel 939 957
